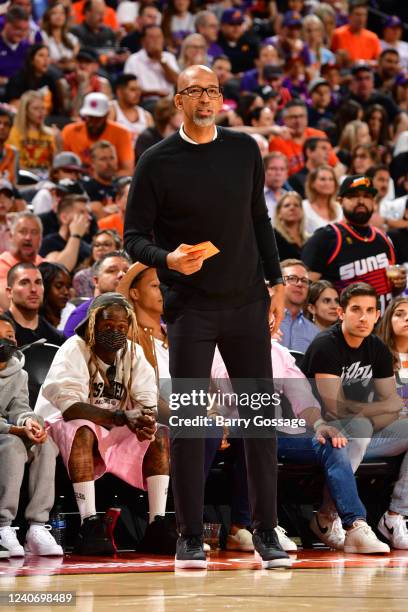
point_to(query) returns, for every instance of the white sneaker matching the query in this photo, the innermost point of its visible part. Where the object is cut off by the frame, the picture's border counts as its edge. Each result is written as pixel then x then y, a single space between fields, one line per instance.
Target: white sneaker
pixel 39 541
pixel 394 528
pixel 4 553
pixel 329 530
pixel 242 541
pixel 8 539
pixel 287 544
pixel 362 539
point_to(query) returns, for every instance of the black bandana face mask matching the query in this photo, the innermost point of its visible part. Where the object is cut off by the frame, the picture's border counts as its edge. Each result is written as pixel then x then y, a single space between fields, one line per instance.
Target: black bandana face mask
pixel 111 340
pixel 7 349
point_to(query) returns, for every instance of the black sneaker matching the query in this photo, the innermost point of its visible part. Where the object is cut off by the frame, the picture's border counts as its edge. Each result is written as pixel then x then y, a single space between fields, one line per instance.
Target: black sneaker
pixel 160 537
pixel 190 553
pixel 93 538
pixel 269 551
pixel 4 553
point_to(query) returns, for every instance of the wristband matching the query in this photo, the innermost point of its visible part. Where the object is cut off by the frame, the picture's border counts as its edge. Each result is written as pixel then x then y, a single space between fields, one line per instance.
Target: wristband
pixel 119 418
pixel 76 236
pixel 317 424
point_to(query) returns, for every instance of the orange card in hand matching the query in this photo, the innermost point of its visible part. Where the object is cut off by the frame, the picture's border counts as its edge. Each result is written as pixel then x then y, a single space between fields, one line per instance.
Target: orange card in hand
pixel 209 248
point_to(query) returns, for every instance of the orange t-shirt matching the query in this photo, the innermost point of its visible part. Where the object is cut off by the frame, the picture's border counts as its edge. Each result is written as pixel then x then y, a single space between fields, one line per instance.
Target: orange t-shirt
pixel 112 222
pixel 109 18
pixel 363 46
pixel 8 163
pixel 75 138
pixel 293 150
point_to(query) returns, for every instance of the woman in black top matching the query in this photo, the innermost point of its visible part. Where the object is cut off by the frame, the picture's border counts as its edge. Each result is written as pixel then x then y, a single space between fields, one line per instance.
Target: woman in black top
pixel 289 225
pixel 57 287
pixel 35 75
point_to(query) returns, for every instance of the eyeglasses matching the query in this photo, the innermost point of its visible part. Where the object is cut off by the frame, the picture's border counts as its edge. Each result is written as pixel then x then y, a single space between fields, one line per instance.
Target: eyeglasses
pixel 297 117
pixel 292 279
pixel 196 92
pixel 103 245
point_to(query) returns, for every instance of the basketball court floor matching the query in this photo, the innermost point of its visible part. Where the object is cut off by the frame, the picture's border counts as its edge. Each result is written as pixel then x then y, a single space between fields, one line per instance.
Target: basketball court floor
pixel 320 580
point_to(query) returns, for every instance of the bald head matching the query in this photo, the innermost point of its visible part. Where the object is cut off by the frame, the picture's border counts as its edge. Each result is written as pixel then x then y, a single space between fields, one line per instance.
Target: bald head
pixel 191 75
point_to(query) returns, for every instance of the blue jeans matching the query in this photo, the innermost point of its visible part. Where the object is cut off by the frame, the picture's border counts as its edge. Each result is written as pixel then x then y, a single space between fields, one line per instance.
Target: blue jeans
pixel 297 449
pixel 337 470
pixel 390 442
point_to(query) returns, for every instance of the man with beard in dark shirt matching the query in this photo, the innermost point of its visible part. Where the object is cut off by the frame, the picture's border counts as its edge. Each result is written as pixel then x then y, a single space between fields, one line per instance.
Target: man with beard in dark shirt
pixel 352 250
pixel 363 91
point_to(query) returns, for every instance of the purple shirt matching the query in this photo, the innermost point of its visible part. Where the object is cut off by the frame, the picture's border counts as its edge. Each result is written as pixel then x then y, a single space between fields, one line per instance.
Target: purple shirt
pixel 249 80
pixel 11 60
pixel 214 50
pixel 76 317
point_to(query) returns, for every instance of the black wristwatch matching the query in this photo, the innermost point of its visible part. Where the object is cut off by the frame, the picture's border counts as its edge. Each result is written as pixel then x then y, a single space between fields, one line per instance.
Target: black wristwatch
pixel 76 236
pixel 119 418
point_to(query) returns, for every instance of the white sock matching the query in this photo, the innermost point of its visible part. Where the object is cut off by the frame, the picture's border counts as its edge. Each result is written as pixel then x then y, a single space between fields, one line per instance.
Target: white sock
pixel 157 487
pixel 390 517
pixel 85 498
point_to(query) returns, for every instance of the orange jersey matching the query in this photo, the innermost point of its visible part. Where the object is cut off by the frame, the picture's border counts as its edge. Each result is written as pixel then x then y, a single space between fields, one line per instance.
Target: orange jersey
pixel 75 138
pixel 8 163
pixel 109 18
pixel 112 222
pixel 363 46
pixel 293 150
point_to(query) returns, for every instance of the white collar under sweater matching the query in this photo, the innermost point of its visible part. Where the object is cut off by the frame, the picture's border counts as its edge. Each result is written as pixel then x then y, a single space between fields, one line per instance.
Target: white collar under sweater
pixel 190 140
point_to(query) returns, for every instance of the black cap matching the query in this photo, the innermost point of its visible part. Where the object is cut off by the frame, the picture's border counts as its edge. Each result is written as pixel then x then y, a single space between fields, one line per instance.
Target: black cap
pixel 357 182
pixel 360 67
pixel 101 301
pixel 87 54
pixel 70 187
pixel 267 93
pixel 271 71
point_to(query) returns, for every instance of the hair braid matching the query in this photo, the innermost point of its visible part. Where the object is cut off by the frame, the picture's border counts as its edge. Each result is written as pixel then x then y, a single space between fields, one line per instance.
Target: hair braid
pixel 90 340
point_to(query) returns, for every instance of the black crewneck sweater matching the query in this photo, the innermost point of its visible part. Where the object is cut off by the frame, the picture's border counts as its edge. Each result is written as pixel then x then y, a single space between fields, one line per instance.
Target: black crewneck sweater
pixel 187 193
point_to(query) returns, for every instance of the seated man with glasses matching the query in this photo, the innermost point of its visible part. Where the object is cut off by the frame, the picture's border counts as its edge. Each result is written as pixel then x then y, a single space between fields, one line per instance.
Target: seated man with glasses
pixel 296 332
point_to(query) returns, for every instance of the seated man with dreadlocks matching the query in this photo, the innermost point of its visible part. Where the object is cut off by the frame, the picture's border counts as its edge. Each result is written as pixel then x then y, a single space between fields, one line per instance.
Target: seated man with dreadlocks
pixel 100 398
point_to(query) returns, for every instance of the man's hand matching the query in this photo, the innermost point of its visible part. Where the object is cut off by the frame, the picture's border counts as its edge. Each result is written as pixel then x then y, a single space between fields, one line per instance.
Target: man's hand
pixel 325 432
pixel 282 131
pixel 399 281
pixel 31 430
pixel 79 224
pixel 184 262
pixel 141 422
pixel 277 308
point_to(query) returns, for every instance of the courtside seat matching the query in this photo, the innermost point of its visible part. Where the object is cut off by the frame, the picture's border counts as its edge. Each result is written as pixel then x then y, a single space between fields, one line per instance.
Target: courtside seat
pixel 38 359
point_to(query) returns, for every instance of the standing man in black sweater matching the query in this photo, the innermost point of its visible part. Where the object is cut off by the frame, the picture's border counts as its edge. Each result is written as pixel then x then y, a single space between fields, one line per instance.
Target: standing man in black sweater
pixel 206 183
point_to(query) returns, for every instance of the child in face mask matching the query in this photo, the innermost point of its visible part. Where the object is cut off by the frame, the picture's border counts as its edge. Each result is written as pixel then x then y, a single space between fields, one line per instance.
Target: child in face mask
pixel 22 439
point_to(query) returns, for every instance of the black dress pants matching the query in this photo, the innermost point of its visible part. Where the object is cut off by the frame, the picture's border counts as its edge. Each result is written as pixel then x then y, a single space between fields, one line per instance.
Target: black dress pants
pixel 243 339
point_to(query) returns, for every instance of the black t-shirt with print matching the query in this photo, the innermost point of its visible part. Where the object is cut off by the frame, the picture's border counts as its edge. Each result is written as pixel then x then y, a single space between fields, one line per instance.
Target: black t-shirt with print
pixel 329 353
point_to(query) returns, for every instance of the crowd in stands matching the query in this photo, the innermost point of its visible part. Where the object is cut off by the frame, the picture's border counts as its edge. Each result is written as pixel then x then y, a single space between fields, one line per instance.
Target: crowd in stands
pixel 86 88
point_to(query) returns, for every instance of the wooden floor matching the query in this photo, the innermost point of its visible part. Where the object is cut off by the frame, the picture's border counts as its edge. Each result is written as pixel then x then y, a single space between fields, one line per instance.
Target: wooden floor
pixel 319 581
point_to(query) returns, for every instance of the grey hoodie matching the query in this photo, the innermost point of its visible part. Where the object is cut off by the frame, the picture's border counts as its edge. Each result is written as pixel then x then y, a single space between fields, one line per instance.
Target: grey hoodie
pixel 14 405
